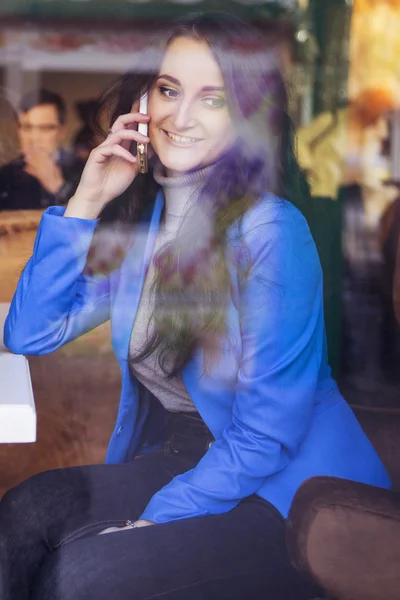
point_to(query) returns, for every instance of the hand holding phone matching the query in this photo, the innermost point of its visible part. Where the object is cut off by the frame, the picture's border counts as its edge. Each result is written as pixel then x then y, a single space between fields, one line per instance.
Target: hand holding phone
pixel 112 166
pixel 143 129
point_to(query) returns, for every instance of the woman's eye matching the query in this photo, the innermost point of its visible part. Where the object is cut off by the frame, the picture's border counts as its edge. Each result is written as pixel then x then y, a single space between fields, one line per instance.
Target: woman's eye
pixel 214 102
pixel 168 92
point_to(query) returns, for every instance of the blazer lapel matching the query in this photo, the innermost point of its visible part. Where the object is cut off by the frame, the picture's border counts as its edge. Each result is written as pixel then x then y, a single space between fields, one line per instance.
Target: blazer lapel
pixel 131 279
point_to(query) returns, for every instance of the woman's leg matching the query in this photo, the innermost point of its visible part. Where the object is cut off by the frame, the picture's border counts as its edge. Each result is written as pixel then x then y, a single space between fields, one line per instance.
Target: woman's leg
pixel 239 555
pixel 56 506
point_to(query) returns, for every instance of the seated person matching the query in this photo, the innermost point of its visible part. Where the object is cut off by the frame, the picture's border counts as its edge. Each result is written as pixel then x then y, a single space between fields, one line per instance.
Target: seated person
pixel 227 400
pixel 44 174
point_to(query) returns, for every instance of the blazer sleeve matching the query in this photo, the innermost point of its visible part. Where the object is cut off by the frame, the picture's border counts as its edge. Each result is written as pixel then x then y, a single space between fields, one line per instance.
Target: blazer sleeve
pixel 282 342
pixel 55 302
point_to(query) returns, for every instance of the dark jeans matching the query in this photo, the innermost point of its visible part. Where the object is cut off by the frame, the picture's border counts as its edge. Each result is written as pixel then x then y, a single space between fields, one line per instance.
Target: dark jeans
pixel 49 549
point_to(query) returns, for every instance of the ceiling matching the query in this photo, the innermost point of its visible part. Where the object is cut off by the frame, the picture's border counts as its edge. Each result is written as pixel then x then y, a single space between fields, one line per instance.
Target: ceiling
pixel 133 9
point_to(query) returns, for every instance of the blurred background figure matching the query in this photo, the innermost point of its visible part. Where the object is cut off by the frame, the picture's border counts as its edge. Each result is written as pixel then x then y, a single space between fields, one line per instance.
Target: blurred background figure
pixel 350 151
pixel 396 283
pixel 44 174
pixel 368 332
pixel 390 237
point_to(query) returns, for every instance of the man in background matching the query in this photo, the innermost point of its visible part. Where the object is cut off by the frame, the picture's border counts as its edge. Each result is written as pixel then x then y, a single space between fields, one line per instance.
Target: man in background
pixel 45 174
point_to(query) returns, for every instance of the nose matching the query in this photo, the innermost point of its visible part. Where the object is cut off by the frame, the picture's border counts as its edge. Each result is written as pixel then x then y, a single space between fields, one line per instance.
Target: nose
pixel 184 116
pixel 36 135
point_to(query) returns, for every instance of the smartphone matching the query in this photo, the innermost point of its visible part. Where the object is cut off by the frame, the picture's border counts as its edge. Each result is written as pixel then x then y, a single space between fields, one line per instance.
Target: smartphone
pixel 143 129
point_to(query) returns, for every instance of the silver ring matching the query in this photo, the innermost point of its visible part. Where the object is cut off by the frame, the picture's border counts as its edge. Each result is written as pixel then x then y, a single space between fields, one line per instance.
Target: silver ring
pixel 110 131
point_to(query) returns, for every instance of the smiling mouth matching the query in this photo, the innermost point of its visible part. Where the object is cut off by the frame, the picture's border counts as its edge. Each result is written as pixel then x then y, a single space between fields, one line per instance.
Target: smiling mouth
pixel 181 139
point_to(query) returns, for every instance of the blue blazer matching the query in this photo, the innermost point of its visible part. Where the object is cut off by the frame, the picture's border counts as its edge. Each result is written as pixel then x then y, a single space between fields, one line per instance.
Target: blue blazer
pixel 269 400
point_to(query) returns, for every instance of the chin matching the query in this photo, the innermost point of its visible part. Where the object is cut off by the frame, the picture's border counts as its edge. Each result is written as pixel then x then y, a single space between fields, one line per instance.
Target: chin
pixel 176 162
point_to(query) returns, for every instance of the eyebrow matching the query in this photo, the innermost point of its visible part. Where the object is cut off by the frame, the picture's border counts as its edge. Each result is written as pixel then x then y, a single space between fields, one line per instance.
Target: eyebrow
pixel 207 88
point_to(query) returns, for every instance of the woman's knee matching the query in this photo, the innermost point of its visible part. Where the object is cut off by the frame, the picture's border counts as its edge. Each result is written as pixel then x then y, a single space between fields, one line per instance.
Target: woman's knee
pixel 20 505
pixel 25 507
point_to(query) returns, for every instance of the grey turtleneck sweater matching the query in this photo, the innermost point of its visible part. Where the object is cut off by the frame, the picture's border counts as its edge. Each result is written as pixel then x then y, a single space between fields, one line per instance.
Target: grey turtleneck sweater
pixel 179 192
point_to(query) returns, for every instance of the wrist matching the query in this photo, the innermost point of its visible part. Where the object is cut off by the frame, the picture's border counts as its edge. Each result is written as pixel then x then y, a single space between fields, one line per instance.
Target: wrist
pixel 81 209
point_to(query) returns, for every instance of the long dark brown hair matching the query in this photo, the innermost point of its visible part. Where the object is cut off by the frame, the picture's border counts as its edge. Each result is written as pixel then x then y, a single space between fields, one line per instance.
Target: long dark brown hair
pixel 191 289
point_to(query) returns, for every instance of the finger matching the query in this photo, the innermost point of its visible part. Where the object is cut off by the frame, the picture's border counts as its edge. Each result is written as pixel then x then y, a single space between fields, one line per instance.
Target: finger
pixel 127 134
pixel 129 119
pixel 109 530
pixel 102 153
pixel 142 523
pixel 125 137
pixel 31 154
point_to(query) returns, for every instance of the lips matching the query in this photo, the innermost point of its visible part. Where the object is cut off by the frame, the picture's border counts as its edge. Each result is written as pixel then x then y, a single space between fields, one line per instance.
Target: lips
pixel 182 140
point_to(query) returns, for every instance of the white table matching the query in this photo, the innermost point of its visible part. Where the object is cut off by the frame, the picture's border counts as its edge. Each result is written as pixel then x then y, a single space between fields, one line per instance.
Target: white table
pixel 17 405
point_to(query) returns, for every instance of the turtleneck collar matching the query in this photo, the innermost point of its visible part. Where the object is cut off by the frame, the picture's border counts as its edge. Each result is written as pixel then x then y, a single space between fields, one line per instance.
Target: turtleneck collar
pixel 192 178
pixel 179 191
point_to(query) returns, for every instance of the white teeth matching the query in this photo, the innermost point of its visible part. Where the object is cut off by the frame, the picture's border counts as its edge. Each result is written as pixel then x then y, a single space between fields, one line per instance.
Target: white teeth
pixel 181 139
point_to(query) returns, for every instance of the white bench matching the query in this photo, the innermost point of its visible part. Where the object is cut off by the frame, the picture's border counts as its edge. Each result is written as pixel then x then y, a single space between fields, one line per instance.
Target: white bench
pixel 17 406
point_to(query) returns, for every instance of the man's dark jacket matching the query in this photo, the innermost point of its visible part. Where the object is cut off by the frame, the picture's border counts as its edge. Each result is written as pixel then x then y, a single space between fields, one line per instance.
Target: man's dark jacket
pixel 19 190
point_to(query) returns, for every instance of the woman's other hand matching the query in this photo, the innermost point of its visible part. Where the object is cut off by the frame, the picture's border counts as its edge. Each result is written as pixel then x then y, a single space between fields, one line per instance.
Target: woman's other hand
pixel 129 525
pixel 110 168
pixel 143 523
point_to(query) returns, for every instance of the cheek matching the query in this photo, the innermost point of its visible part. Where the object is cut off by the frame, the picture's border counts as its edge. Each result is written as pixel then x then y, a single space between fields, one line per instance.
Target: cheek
pixel 49 143
pixel 222 132
pixel 157 111
pixel 154 134
pixel 158 116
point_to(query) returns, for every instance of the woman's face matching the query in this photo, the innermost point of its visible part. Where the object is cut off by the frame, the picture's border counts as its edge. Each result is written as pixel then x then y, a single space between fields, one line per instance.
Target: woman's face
pixel 190 123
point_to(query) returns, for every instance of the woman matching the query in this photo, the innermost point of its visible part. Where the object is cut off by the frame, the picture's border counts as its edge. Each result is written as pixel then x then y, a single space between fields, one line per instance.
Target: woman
pixel 227 401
